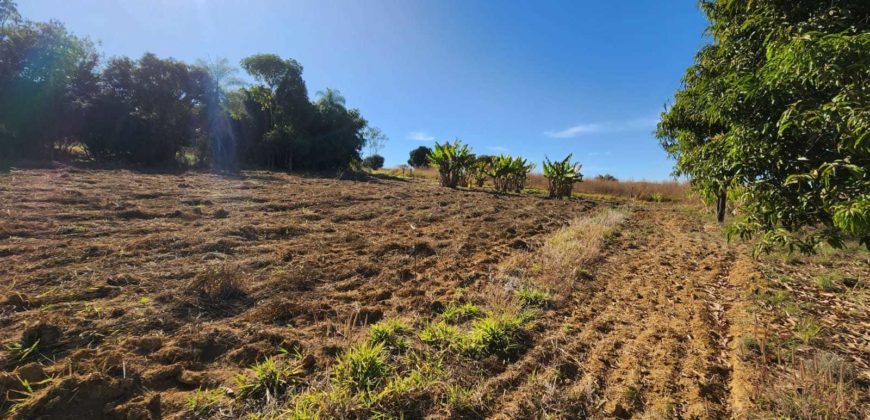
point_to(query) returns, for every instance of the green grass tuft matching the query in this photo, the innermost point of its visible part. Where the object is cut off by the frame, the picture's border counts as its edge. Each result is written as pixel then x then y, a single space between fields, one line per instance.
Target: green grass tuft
pixel 529 296
pixel 501 336
pixel 362 368
pixel 455 313
pixel 269 379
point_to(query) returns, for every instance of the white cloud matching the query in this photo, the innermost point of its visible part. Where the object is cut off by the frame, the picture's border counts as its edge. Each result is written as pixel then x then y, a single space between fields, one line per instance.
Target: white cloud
pixel 603 127
pixel 420 136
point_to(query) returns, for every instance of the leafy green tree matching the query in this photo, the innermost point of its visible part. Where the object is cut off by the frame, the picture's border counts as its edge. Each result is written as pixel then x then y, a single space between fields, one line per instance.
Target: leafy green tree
pixel 144 111
pixel 776 109
pixel 419 157
pixel 42 67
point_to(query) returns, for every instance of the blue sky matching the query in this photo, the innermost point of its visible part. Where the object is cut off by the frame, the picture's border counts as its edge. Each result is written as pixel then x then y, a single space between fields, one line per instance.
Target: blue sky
pixel 521 77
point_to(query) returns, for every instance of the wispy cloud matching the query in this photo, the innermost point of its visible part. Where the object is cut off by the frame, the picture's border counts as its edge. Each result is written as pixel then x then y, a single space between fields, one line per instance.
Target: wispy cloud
pixel 420 136
pixel 499 149
pixel 603 127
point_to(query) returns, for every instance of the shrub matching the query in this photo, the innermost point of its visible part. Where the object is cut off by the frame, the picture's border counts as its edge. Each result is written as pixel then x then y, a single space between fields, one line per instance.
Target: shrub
pixel 561 176
pixel 510 174
pixel 374 162
pixel 419 157
pixel 362 367
pixel 454 160
pixel 269 379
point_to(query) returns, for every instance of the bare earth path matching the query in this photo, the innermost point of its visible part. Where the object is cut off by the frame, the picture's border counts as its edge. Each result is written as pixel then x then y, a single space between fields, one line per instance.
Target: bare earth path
pixel 647 336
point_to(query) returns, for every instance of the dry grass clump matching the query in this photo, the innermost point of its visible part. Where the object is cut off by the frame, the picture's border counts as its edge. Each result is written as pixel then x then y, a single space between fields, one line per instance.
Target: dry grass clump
pixel 569 250
pixel 639 190
pixel 822 387
pixel 219 283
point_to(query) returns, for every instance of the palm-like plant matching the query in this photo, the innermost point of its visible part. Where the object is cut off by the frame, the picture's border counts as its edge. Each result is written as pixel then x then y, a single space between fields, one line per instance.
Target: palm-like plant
pixel 561 176
pixel 509 174
pixel 454 160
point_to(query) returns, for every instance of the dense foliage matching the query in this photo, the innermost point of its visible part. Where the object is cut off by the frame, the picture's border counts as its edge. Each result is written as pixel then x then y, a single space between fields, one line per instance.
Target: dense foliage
pixel 776 110
pixel 154 111
pixel 561 176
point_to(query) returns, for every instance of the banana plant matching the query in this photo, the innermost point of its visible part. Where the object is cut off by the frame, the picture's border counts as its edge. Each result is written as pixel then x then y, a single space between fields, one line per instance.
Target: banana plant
pixel 454 161
pixel 509 174
pixel 561 176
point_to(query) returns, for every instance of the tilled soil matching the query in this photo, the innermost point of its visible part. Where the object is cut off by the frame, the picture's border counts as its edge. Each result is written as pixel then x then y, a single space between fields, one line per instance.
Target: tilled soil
pixel 97 266
pixel 647 336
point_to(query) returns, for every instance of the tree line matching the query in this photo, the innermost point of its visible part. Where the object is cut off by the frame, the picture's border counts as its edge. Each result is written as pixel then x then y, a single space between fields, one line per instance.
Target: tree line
pixel 775 115
pixel 56 92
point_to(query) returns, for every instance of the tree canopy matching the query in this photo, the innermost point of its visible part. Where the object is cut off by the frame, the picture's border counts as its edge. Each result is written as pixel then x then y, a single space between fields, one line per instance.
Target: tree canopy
pixel 159 111
pixel 775 111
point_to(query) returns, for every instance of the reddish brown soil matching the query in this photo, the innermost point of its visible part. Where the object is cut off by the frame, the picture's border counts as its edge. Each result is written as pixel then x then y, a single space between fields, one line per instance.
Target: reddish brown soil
pixel 100 267
pixel 97 266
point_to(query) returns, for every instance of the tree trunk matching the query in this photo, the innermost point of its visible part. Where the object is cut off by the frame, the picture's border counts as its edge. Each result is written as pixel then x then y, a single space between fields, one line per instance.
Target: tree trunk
pixel 720 207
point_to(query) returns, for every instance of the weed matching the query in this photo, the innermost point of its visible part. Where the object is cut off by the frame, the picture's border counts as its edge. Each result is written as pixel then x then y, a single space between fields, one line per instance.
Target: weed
pixel 529 296
pixel 456 313
pixel 269 379
pixel 826 283
pixel 440 334
pixel 501 336
pixel 459 397
pixel 807 329
pixel 21 352
pixel 390 334
pixel 362 368
pixel 204 402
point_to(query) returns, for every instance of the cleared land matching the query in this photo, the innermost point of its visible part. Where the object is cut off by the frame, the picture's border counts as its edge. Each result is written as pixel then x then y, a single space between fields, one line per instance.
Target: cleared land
pixel 132 295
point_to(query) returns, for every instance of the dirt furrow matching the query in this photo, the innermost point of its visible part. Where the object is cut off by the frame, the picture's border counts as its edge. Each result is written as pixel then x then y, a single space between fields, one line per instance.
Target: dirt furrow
pixel 647 338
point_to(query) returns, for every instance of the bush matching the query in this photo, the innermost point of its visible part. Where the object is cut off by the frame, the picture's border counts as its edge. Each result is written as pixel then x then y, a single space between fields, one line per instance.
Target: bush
pixel 419 157
pixel 454 160
pixel 606 177
pixel 561 176
pixel 374 162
